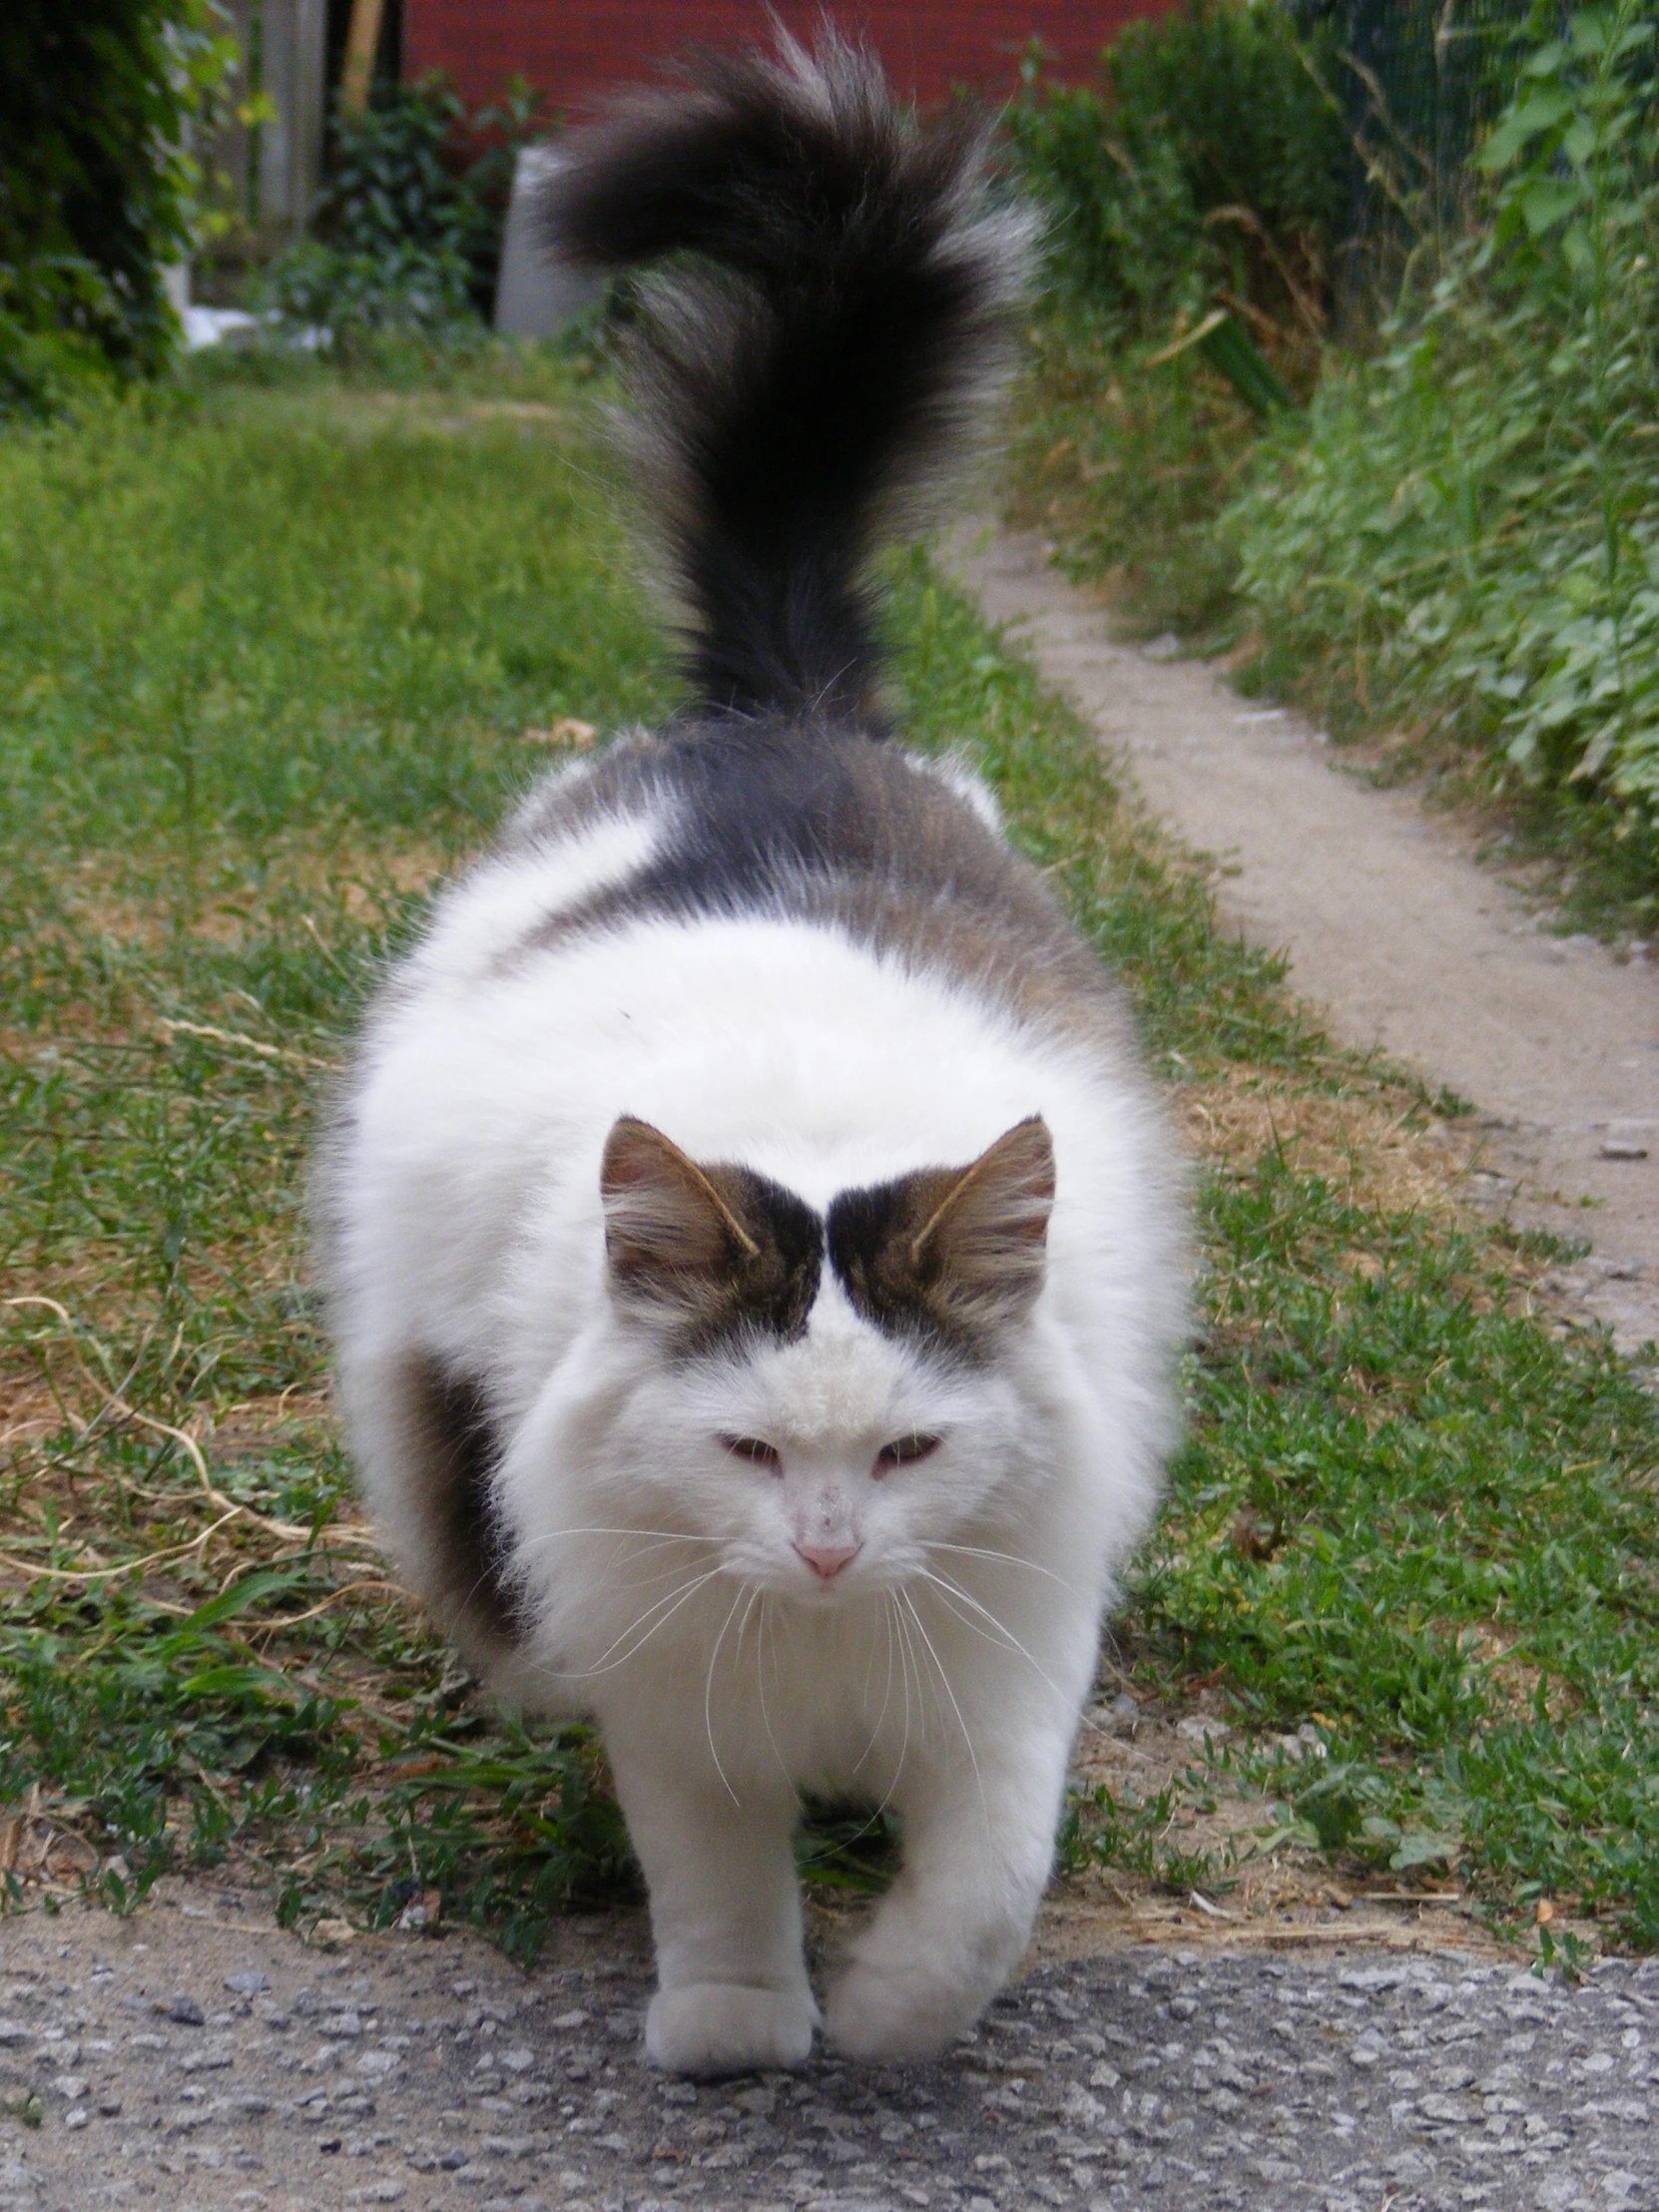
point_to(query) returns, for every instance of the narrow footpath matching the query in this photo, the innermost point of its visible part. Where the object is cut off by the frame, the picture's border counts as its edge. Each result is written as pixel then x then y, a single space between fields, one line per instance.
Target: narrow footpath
pixel 1404 940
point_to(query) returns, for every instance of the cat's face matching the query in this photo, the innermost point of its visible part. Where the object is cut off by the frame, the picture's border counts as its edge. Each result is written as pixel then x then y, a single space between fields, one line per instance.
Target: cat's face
pixel 826 1397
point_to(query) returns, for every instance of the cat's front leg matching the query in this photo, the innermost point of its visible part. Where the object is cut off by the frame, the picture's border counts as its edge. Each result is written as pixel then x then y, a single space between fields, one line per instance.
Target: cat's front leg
pixel 732 1987
pixel 952 1928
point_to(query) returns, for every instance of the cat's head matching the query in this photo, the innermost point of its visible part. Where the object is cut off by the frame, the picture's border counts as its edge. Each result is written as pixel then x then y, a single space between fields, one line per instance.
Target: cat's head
pixel 825 1394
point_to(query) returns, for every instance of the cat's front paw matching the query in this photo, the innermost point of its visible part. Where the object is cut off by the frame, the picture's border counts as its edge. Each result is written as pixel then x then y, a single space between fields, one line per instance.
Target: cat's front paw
pixel 877 2012
pixel 719 2027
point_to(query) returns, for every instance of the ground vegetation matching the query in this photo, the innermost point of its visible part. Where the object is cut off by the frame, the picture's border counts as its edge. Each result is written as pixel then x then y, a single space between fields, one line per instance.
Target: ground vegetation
pixel 278 648
pixel 98 185
pixel 1447 547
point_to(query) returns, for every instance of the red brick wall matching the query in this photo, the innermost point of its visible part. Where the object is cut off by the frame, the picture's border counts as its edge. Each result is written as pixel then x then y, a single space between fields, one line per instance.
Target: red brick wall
pixel 572 48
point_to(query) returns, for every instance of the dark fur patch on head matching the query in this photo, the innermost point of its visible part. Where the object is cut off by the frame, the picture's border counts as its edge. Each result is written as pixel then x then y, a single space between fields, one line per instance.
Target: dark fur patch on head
pixel 950 1256
pixel 453 1451
pixel 711 1253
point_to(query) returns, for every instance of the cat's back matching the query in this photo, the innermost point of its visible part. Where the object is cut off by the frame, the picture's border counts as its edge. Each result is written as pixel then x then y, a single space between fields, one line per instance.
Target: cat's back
pixel 726 842
pixel 821 957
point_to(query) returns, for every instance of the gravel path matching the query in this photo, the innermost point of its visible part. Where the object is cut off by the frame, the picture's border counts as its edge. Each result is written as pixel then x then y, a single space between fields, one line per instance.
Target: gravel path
pixel 173 2062
pixel 1391 923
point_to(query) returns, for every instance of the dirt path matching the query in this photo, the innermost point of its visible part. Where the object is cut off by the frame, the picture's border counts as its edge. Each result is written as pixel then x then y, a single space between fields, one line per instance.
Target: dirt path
pixel 1400 934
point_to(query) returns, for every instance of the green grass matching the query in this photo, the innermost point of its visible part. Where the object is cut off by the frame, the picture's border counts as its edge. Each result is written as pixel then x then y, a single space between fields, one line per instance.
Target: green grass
pixel 266 658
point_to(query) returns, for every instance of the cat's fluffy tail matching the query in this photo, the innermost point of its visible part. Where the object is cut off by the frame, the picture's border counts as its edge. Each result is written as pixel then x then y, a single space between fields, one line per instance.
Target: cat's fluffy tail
pixel 842 308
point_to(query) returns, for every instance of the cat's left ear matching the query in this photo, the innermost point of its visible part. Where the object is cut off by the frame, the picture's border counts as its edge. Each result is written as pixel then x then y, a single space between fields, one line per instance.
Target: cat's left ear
pixel 958 1254
pixel 704 1251
pixel 988 1231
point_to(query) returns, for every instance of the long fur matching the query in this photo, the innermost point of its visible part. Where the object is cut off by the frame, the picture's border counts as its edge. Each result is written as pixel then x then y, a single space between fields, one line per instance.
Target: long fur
pixel 841 313
pixel 755 1252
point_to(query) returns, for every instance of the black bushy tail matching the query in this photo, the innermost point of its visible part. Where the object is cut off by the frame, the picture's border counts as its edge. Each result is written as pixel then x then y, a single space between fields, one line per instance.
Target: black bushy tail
pixel 843 305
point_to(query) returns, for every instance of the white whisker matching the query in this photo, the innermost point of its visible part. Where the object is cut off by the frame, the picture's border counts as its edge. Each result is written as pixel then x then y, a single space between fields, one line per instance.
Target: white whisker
pixel 944 1682
pixel 662 1535
pixel 1011 1642
pixel 764 1636
pixel 886 1692
pixel 767 1638
pixel 1008 1559
pixel 709 1691
pixel 604 1664
pixel 641 1542
pixel 896 1620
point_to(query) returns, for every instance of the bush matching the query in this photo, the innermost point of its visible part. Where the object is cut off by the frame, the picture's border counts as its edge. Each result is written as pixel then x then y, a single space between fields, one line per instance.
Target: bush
pixel 407 239
pixel 1208 167
pixel 1470 517
pixel 95 184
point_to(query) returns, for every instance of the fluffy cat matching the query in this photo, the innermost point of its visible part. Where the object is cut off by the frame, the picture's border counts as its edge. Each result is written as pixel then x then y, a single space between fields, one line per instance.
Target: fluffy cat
pixel 754 1252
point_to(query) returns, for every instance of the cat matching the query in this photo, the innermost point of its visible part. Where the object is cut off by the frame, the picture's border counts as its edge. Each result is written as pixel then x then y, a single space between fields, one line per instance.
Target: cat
pixel 754 1251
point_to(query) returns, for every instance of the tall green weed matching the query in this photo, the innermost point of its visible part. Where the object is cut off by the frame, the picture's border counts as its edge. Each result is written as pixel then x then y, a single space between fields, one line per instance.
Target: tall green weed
pixel 1465 525
pixel 1206 165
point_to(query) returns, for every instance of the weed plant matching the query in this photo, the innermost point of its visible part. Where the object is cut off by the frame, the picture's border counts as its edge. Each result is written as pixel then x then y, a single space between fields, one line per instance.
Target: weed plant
pixel 407 239
pixel 272 658
pixel 1454 540
pixel 1125 462
pixel 1204 174
pixel 1203 167
pixel 1462 535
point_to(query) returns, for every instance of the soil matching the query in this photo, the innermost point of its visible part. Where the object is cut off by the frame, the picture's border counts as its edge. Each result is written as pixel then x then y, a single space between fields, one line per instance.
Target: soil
pixel 1390 924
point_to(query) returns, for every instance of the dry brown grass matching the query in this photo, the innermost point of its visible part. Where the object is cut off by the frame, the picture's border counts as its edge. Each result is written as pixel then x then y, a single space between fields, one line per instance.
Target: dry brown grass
pixel 218 900
pixel 1266 1892
pixel 1378 1147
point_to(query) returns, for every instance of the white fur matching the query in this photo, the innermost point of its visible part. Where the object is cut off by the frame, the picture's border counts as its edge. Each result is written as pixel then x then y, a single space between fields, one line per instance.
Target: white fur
pixel 957 773
pixel 942 1671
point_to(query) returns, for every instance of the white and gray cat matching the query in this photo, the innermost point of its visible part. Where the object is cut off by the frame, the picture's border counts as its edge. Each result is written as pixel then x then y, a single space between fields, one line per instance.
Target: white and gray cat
pixel 755 1252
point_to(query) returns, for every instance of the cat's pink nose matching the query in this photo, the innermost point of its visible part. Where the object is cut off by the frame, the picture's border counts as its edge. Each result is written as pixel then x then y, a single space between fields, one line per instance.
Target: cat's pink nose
pixel 829 1559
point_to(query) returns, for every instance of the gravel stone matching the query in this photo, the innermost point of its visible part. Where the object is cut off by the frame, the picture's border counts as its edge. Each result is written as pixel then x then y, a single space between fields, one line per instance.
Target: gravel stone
pixel 1321 2085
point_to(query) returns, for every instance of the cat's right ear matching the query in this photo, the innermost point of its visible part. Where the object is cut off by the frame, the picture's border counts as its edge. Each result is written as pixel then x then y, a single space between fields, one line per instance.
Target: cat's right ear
pixel 704 1250
pixel 666 1224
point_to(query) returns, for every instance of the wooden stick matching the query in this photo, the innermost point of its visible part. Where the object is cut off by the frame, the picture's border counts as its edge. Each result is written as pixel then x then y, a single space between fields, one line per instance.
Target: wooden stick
pixel 362 43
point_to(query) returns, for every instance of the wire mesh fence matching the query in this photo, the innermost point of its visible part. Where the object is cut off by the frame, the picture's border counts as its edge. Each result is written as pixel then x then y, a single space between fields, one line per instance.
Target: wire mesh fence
pixel 1420 80
pixel 1427 76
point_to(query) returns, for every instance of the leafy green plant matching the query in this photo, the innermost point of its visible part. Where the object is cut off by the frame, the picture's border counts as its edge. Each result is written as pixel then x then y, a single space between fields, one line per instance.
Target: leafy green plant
pixel 1467 518
pixel 407 236
pixel 1194 200
pixel 1102 1827
pixel 1206 169
pixel 97 184
pixel 1125 460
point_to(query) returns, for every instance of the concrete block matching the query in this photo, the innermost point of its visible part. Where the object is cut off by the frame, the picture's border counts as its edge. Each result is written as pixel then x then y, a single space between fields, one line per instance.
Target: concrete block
pixel 536 294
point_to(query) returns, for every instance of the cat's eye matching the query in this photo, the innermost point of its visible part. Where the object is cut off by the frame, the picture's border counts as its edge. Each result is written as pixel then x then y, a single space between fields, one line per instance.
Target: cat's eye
pixel 755 1450
pixel 904 1451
